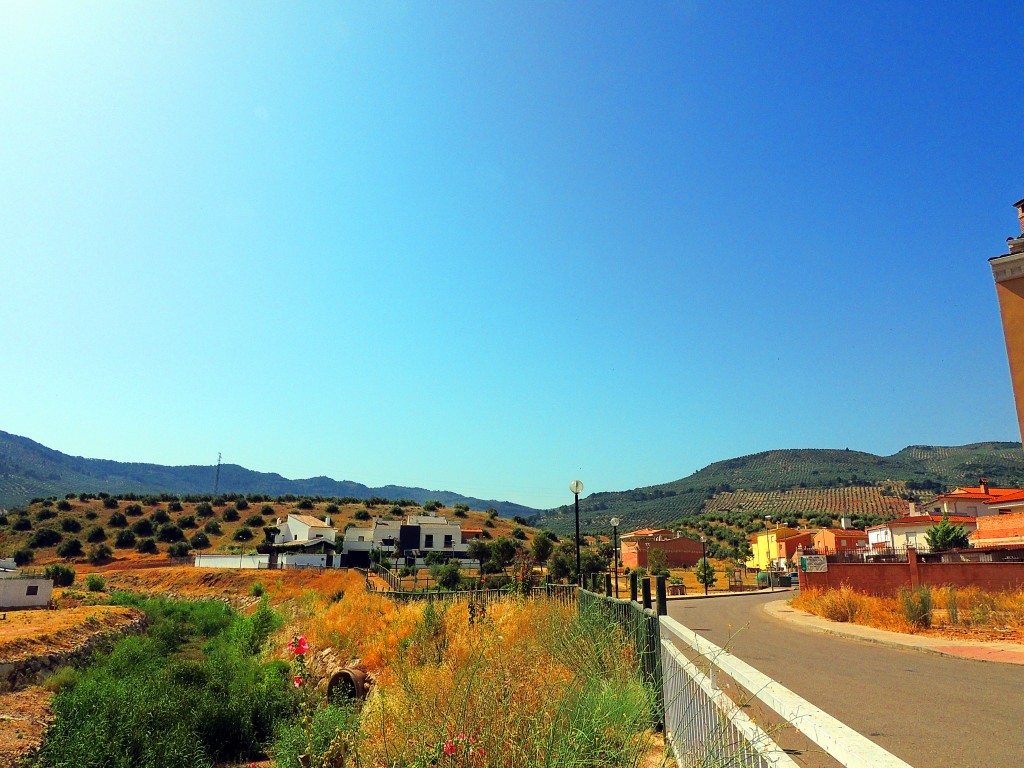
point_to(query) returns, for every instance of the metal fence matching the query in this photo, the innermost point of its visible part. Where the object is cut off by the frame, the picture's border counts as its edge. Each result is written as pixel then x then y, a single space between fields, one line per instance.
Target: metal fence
pixel 706 727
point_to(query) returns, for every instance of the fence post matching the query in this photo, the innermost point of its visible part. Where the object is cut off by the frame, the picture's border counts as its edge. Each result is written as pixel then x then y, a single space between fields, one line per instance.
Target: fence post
pixel 632 586
pixel 662 594
pixel 915 574
pixel 608 585
pixel 645 588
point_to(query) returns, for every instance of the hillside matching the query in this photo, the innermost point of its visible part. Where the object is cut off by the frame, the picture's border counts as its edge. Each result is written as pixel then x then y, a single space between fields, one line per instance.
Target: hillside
pixel 29 470
pixel 799 484
pixel 228 525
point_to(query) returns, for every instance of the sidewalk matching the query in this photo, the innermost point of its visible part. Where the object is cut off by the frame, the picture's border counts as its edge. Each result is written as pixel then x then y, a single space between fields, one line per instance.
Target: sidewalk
pixel 1005 653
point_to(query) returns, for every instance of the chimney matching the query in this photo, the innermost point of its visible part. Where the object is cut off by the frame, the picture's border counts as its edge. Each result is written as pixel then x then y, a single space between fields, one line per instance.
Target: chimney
pixel 845 523
pixel 1016 244
pixel 984 485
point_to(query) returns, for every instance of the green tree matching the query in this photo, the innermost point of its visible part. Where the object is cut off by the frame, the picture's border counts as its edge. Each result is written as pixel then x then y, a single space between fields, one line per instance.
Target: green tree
pixel 446 574
pixel 657 562
pixel 542 547
pixel 945 536
pixel 705 572
pixel 503 552
pixel 479 550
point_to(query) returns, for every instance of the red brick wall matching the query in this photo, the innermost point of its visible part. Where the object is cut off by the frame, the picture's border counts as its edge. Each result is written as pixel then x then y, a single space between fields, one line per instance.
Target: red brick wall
pixel 887 578
pixel 679 553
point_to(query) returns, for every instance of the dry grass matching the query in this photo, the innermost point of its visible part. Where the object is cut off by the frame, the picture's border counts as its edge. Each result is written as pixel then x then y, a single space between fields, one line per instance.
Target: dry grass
pixel 957 611
pixel 512 682
pixel 36 633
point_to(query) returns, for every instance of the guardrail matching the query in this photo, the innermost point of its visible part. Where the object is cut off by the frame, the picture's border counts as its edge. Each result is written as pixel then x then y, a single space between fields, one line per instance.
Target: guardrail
pixel 706 727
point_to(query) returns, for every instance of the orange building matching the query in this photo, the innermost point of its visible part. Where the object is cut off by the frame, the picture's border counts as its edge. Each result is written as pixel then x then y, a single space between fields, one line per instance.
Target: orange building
pixel 679 550
pixel 998 529
pixel 839 540
pixel 1008 272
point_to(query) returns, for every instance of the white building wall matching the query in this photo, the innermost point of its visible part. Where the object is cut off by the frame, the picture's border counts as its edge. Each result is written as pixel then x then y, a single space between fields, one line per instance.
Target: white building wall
pixel 17 592
pixel 232 561
pixel 308 561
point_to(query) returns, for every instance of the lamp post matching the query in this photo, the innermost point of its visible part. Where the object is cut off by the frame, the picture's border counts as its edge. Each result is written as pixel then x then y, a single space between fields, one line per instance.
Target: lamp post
pixel 767 554
pixel 615 551
pixel 704 563
pixel 577 488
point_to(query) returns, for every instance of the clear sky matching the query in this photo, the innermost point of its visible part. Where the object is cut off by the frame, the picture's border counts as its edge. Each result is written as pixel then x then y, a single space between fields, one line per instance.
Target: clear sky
pixel 491 247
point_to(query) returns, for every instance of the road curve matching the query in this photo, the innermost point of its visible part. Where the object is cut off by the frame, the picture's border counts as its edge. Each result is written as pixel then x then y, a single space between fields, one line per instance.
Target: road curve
pixel 931 711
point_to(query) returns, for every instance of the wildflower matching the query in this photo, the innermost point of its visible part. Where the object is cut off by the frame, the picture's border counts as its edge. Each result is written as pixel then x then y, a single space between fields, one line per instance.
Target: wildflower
pixel 298 645
pixel 297 680
pixel 449 747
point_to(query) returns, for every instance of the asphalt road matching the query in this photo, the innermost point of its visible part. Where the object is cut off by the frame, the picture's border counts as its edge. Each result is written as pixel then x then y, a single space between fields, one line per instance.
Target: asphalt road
pixel 931 711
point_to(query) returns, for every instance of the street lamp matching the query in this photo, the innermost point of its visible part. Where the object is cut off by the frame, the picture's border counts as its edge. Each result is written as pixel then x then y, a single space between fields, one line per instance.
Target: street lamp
pixel 704 563
pixel 577 488
pixel 615 551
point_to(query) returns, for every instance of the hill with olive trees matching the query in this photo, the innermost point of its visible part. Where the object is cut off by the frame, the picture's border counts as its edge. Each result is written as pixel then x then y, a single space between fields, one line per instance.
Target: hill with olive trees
pixel 730 498
pixel 29 470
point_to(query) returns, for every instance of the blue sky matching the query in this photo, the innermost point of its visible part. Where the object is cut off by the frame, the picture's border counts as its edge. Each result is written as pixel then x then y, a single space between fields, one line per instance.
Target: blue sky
pixel 492 247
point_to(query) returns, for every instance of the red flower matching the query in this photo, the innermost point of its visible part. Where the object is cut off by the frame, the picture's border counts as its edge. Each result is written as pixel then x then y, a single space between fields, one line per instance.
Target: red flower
pixel 298 645
pixel 297 680
pixel 449 747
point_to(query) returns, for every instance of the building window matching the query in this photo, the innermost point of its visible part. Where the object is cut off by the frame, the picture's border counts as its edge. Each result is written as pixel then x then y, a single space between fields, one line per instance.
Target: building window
pixel 447 542
pixel 428 541
pixel 32 590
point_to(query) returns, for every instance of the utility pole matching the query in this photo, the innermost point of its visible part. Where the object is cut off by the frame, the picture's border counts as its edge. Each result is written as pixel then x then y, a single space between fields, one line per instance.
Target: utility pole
pixel 216 481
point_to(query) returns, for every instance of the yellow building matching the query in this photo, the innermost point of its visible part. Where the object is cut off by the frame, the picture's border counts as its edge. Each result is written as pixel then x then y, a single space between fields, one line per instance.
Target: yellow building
pixel 765 546
pixel 1008 271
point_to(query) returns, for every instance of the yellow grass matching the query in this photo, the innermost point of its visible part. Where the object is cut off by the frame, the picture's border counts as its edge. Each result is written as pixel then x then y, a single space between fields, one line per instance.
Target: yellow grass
pixel 954 610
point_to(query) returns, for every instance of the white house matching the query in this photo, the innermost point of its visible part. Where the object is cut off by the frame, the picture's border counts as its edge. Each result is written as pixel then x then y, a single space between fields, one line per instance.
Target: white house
pixel 910 530
pixel 18 591
pixel 304 528
pixel 409 540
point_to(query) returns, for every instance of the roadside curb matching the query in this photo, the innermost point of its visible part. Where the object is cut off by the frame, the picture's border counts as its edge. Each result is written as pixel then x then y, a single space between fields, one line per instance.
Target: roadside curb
pixel 974 650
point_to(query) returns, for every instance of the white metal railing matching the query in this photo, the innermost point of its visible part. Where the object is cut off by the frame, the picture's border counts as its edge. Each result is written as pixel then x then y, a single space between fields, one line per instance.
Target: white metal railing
pixel 707 728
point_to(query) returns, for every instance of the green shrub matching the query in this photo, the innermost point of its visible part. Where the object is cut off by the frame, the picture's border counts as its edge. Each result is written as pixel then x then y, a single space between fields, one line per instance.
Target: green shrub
pixel 143 527
pixel 243 534
pixel 212 527
pixel 95 583
pixel 100 553
pixel 118 520
pixel 170 533
pixel 204 509
pixel 125 539
pixel 63 677
pixel 133 510
pixel 145 706
pixel 96 534
pixel 917 606
pixel 306 504
pixel 266 509
pixel 91 514
pixel 44 537
pixel 147 546
pixel 62 575
pixel 330 509
pixel 188 521
pixel 200 541
pixel 174 506
pixel 64 506
pixel 22 524
pixel 431 506
pixel 160 517
pixel 180 549
pixel 23 556
pixel 256 521
pixel 45 514
pixel 70 548
pixel 241 504
pixel 110 503
pixel 70 525
pixel 230 515
pixel 325 726
pixel 257 589
pixel 362 514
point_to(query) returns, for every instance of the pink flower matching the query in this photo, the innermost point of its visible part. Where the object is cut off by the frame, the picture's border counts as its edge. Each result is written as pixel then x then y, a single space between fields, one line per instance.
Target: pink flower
pixel 461 737
pixel 298 645
pixel 297 680
pixel 449 747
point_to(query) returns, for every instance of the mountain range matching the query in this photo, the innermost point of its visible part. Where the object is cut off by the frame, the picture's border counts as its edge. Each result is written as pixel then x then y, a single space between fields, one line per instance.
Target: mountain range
pixel 29 470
